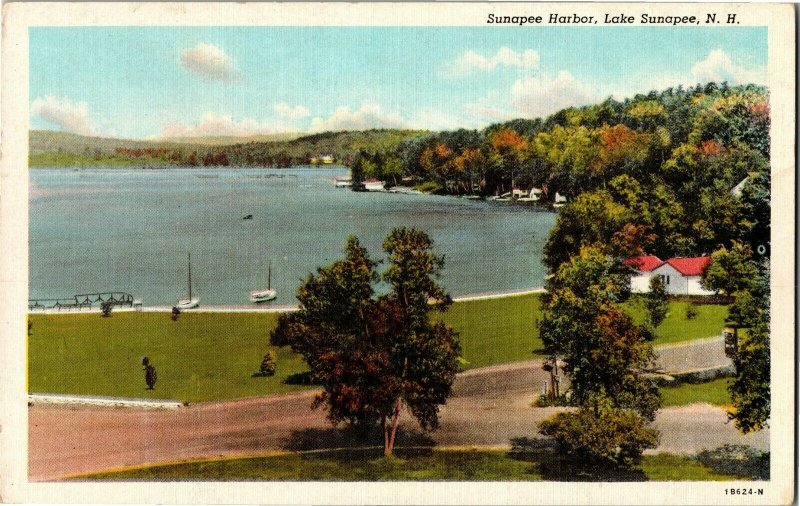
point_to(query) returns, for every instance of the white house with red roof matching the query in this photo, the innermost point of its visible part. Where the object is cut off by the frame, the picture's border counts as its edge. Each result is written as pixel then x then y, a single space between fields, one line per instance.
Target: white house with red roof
pixel 644 265
pixel 681 275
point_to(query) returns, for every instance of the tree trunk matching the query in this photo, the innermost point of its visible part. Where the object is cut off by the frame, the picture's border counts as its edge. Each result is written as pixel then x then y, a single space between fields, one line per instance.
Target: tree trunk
pixel 387 452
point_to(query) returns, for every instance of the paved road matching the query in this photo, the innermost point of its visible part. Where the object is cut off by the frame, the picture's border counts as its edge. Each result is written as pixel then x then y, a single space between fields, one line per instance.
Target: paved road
pixel 490 406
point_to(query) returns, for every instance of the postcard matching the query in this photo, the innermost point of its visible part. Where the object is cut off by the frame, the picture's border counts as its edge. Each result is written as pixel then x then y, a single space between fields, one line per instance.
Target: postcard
pixel 398 253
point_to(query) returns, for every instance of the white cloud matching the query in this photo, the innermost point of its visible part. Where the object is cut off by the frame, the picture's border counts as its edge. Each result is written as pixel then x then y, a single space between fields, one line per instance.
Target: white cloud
pixel 541 96
pixel 718 67
pixel 284 110
pixel 470 62
pixel 368 116
pixel 429 118
pixel 209 62
pixel 67 115
pixel 490 108
pixel 218 125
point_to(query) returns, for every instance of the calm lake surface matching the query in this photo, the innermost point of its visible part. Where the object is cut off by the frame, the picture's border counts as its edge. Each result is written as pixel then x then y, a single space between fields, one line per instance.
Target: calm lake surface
pixel 120 229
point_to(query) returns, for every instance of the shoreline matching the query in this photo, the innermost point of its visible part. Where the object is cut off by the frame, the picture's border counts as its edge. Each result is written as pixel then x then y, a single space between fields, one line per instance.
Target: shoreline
pixel 268 309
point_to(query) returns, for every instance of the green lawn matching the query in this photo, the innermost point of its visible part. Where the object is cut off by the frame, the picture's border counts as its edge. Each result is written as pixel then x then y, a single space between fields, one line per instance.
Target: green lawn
pixel 210 356
pixel 676 327
pixel 360 465
pixel 202 356
pixel 712 392
pixel 494 331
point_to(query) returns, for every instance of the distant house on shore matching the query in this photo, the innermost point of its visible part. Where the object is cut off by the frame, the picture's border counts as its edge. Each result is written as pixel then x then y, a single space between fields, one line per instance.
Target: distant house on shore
pixel 325 160
pixel 681 275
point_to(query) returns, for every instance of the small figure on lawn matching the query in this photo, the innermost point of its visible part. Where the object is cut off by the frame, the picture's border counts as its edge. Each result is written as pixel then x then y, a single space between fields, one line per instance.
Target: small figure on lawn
pixel 267 365
pixel 175 313
pixel 150 375
pixel 105 308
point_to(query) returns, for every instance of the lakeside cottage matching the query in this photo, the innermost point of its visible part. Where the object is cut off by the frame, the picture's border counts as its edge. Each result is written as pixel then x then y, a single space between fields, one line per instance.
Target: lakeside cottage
pixel 681 275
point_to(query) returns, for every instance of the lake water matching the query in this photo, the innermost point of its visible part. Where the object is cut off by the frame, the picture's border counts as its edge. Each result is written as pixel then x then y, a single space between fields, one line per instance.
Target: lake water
pixel 104 229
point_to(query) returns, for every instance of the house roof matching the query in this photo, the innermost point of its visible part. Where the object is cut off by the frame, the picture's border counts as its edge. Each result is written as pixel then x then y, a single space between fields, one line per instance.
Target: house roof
pixel 645 263
pixel 690 266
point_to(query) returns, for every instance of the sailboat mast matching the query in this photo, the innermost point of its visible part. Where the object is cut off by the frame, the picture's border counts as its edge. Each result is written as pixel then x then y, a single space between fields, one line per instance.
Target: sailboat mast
pixel 190 276
pixel 269 276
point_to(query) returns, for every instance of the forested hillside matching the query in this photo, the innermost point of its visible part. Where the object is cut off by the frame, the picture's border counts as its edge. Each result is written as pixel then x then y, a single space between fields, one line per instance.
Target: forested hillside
pixel 64 149
pixel 655 173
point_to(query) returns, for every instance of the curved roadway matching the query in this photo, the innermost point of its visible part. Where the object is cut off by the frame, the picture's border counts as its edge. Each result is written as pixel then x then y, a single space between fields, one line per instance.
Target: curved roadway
pixel 489 407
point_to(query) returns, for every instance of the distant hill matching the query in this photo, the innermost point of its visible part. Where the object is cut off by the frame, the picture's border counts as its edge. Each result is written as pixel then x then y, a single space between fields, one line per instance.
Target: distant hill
pixel 51 148
pixel 43 141
pixel 229 140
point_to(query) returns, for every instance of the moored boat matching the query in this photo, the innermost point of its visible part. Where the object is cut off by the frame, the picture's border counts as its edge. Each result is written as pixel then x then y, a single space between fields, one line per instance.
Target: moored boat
pixel 267 294
pixel 189 302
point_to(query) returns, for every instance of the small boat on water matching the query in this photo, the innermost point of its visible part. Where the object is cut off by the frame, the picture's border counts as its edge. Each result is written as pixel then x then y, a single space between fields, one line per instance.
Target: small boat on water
pixel 342 182
pixel 373 185
pixel 267 294
pixel 189 302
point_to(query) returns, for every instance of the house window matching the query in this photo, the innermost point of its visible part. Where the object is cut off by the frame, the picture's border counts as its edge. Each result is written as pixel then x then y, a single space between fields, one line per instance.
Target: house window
pixel 664 279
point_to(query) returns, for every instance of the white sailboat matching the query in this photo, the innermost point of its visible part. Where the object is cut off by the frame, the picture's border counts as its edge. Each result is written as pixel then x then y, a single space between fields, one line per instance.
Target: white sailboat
pixel 267 294
pixel 189 302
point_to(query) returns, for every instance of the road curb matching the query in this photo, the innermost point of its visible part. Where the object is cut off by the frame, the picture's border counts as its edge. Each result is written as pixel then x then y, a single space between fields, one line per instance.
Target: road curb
pixel 85 400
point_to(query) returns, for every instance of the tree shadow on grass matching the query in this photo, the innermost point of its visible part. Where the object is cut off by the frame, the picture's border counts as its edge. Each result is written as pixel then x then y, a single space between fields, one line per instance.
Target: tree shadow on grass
pixel 355 443
pixel 553 464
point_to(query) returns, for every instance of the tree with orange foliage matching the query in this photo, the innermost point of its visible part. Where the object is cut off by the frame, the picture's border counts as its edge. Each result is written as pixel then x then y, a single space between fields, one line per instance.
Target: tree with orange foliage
pixel 507 150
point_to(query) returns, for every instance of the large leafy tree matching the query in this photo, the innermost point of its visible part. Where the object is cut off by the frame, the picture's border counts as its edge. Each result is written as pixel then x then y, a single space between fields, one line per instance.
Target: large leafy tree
pixel 335 306
pixel 731 270
pixel 750 390
pixel 375 355
pixel 604 354
pixel 602 349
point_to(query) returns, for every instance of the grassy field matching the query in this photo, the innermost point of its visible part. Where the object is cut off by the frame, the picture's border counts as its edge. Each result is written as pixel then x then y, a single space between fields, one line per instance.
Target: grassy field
pixel 355 465
pixel 210 356
pixel 202 356
pixel 676 327
pixel 712 392
pixel 495 331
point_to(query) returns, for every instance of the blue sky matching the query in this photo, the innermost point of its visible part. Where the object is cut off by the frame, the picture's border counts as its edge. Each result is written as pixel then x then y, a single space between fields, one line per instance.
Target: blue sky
pixel 154 81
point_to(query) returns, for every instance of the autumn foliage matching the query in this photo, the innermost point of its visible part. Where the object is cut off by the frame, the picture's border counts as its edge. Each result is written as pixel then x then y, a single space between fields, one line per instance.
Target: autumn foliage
pixel 375 355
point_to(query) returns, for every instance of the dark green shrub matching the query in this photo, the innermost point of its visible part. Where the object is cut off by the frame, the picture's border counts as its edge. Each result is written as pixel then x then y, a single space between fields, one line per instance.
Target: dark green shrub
pixel 737 460
pixel 598 433
pixel 691 312
pixel 268 366
pixel 150 376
